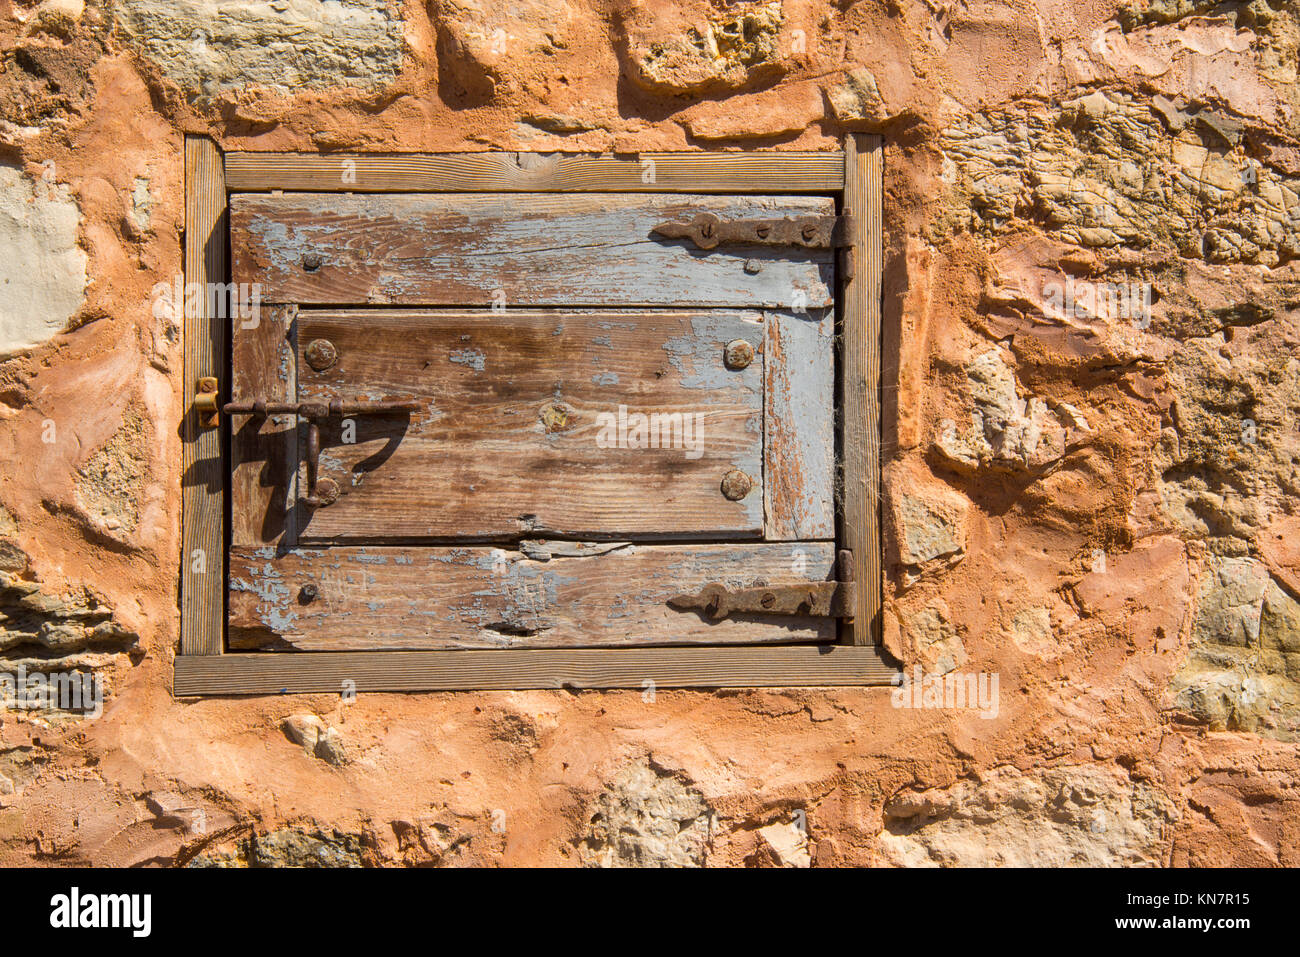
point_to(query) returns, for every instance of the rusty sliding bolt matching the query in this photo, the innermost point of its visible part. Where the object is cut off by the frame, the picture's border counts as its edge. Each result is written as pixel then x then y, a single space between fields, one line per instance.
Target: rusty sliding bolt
pixel 320 491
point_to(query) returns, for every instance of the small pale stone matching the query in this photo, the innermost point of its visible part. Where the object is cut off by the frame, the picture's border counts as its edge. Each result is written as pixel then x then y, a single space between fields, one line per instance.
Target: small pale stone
pixel 788 842
pixel 857 98
pixel 316 738
pixel 61 10
pixel 647 818
pixel 931 523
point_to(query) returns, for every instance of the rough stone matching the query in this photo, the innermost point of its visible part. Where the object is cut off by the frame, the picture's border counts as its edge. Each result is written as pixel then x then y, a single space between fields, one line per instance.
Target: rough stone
pixel 787 843
pixel 170 809
pixel 732 48
pixel 647 818
pixel 13 825
pixel 207 46
pixel 12 556
pixel 1080 816
pixel 292 847
pixel 1227 460
pixel 929 522
pixel 1242 671
pixel 140 210
pixel 858 98
pixel 42 269
pixel 483 45
pixel 316 737
pixel 1031 632
pixel 1007 431
pixel 773 114
pixel 33 620
pixel 110 486
pixel 19 767
pixel 60 14
pixel 1102 170
pixel 931 639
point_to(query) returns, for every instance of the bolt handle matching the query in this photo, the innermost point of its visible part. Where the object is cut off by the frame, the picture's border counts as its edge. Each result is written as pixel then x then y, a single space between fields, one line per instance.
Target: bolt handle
pixel 320 491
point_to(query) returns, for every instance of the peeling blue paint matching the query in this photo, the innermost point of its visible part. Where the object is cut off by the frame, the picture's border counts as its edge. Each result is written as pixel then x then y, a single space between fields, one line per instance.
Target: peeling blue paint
pixel 474 358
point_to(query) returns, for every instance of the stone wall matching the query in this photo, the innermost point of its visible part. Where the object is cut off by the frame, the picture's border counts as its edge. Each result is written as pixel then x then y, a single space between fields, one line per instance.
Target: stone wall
pixel 1092 312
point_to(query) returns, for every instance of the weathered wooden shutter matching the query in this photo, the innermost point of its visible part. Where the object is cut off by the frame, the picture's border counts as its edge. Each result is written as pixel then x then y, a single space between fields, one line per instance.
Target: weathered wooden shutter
pixel 487 421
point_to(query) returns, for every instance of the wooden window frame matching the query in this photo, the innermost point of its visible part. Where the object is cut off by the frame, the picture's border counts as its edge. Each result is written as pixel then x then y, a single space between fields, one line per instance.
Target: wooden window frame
pixel 203 667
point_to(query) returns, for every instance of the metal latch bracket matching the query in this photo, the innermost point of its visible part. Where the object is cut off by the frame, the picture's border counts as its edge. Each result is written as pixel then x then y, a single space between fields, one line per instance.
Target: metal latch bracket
pixel 205 403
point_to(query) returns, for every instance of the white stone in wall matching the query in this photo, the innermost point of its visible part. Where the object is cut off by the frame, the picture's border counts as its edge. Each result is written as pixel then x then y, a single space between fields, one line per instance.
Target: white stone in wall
pixel 42 270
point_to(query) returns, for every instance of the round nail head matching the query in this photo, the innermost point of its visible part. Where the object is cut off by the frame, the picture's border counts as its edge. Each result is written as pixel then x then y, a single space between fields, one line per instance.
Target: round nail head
pixel 736 485
pixel 327 490
pixel 738 354
pixel 556 417
pixel 321 354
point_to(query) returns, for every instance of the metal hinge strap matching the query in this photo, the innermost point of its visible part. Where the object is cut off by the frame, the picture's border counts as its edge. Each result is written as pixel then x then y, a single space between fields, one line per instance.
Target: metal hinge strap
pixel 836 599
pixel 708 231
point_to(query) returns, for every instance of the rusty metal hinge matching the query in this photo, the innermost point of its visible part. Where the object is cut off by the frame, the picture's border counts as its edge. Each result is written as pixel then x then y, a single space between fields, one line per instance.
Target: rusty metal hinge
pixel 325 491
pixel 836 599
pixel 708 231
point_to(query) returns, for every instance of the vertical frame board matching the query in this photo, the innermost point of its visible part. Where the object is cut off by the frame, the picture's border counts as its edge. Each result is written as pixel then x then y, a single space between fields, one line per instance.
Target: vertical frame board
pixel 799 426
pixel 203 547
pixel 860 383
pixel 263 451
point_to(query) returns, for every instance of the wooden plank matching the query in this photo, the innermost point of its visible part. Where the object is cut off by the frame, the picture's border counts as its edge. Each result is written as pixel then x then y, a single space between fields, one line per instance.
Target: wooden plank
pixel 799 426
pixel 202 472
pixel 789 666
pixel 385 598
pixel 860 371
pixel 766 172
pixel 493 249
pixel 263 451
pixel 530 424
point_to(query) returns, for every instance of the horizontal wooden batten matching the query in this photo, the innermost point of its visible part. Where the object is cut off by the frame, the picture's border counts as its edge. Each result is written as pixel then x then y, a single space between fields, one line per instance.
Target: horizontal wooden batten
pixel 638 668
pixel 492 249
pixel 768 172
pixel 603 595
pixel 536 422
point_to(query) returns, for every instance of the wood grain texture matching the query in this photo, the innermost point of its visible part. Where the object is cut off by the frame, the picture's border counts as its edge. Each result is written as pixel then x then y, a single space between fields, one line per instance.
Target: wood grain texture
pixel 377 598
pixel 202 471
pixel 860 377
pixel 790 666
pixel 263 451
pixel 516 434
pixel 481 249
pixel 799 426
pixel 765 172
